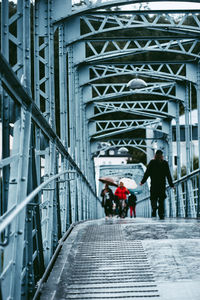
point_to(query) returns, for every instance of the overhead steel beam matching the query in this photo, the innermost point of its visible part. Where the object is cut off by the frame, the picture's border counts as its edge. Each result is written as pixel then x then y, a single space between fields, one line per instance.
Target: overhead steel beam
pixel 112 91
pixel 167 71
pixel 112 21
pixel 90 8
pixel 156 108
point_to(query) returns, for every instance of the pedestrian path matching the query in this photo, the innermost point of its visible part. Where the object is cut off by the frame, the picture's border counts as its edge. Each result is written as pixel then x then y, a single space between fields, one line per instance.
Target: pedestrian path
pixel 128 259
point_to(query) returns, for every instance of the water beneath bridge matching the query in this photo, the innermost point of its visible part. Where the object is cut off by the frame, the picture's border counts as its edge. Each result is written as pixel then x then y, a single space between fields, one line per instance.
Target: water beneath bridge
pixel 127 259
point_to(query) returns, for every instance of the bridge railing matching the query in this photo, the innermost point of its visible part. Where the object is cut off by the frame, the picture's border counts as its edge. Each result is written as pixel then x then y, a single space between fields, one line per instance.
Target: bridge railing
pixel 183 201
pixel 186 200
pixel 43 190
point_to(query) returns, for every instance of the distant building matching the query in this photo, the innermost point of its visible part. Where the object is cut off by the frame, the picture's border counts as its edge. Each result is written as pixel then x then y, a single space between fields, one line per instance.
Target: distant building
pixel 193 138
pixel 110 157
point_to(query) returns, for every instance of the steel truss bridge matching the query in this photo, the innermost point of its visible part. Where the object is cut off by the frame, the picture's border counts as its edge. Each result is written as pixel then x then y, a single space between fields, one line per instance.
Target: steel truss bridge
pixel 64 69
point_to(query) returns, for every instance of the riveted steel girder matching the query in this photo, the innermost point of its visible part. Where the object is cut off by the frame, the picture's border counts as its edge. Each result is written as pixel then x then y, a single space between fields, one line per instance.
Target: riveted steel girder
pixel 137 143
pixel 89 7
pixel 99 129
pixel 103 49
pixel 146 108
pixel 112 91
pixel 179 71
pixel 162 21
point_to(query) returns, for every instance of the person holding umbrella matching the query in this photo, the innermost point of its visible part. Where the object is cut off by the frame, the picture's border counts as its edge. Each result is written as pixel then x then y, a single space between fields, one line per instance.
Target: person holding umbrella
pixel 107 200
pixel 121 194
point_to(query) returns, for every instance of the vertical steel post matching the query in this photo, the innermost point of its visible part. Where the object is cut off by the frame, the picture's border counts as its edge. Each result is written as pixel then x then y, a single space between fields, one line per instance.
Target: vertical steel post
pixel 17 192
pixel 198 112
pixel 5 105
pixel 150 138
pixel 44 60
pixel 63 195
pixel 18 173
pixel 189 209
pixel 180 212
pixel 45 99
pixel 78 152
pixel 187 144
pixel 64 121
pixel 63 89
pixel 23 67
pixel 72 126
pixel 28 280
pixel 71 103
pixel 172 212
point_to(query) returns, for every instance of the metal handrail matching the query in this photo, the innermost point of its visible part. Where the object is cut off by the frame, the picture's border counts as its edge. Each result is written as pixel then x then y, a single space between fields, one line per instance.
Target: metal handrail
pixel 14 212
pixel 12 85
pixel 193 173
pixel 183 180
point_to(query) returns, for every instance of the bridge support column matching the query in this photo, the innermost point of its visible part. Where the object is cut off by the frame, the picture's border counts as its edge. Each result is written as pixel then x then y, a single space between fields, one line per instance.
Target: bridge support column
pixel 198 111
pixel 149 141
pixel 172 206
pixel 17 192
pixel 180 212
pixel 189 206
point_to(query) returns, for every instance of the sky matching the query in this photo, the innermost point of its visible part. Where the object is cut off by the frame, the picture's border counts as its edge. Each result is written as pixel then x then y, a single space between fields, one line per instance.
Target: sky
pixel 165 5
pixel 175 5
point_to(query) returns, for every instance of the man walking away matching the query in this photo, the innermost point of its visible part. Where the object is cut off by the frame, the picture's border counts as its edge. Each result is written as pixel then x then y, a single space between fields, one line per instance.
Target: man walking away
pixel 158 170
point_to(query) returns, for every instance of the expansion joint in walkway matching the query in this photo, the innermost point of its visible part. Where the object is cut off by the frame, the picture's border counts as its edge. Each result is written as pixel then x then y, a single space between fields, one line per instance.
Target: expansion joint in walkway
pixel 107 266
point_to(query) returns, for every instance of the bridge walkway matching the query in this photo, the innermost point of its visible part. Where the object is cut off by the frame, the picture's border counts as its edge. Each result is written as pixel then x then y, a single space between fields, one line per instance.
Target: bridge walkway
pixel 128 259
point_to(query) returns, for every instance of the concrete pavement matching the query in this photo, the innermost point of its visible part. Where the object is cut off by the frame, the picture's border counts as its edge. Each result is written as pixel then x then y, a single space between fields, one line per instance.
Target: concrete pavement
pixel 127 259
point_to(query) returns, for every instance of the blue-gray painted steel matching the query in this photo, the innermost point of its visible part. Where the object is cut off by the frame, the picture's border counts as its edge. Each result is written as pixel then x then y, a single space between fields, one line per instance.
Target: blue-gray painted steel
pixel 62 88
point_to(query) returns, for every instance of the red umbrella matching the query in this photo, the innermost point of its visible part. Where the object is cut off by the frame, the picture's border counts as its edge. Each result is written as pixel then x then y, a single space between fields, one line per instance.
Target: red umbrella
pixel 108 180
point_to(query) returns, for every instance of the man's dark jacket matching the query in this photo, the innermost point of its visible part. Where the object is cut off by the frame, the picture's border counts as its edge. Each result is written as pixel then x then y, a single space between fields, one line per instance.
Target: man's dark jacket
pixel 158 170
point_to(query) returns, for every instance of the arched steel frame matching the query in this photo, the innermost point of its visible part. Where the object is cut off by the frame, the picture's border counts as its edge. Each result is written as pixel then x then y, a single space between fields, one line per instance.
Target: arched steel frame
pixel 167 71
pixel 55 59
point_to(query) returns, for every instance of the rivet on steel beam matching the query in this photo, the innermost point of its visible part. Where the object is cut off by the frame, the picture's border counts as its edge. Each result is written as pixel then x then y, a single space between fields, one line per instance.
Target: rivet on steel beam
pixel 13 180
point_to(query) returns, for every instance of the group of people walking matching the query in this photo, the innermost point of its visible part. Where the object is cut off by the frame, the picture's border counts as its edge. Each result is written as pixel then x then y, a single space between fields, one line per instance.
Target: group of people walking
pixel 118 203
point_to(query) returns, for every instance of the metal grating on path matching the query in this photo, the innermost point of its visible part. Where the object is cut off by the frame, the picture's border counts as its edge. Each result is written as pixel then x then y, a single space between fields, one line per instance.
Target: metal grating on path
pixel 107 266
